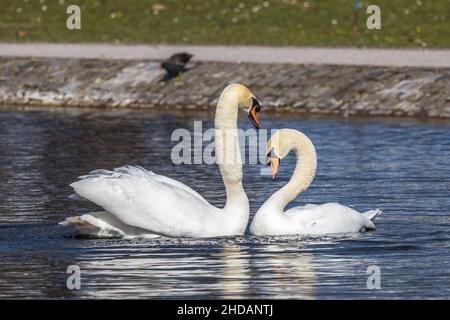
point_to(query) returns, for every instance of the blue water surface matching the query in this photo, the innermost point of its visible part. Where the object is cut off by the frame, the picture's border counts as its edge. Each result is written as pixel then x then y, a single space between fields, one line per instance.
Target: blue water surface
pixel 399 165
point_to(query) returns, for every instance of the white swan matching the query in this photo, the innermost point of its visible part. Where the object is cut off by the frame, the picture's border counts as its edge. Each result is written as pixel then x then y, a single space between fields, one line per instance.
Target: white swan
pixel 140 202
pixel 329 218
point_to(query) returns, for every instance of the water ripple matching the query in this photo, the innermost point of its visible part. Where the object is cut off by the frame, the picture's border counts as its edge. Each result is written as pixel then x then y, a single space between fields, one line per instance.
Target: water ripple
pixel 399 165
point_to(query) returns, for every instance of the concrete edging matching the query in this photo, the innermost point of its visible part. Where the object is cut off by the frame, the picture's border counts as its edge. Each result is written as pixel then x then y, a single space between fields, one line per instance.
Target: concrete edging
pixel 307 88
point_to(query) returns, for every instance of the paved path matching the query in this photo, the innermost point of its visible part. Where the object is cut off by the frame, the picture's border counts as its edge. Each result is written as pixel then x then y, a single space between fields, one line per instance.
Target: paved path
pixel 254 54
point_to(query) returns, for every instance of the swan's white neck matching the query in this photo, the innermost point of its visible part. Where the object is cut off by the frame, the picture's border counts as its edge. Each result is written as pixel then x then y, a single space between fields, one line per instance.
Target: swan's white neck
pixel 305 170
pixel 228 152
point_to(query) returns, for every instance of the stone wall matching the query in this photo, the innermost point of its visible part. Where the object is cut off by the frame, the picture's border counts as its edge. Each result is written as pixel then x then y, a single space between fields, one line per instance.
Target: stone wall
pixel 325 89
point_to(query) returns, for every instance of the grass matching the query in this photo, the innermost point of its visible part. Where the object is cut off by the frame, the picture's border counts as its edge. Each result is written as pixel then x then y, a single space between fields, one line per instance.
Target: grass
pixel 405 23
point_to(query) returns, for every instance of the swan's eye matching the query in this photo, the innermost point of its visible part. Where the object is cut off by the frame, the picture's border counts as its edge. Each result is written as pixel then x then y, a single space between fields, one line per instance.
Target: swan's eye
pixel 256 105
pixel 271 154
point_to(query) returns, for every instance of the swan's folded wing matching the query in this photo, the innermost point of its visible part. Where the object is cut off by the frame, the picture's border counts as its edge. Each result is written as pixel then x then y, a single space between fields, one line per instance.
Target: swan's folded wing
pixel 177 184
pixel 140 198
pixel 326 218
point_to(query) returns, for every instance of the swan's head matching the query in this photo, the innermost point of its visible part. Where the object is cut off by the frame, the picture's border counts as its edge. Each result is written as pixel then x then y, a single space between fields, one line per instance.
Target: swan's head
pixel 278 147
pixel 246 101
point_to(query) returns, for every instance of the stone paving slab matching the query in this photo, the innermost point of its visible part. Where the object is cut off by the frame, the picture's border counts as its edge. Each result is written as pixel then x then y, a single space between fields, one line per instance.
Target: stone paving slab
pixel 308 88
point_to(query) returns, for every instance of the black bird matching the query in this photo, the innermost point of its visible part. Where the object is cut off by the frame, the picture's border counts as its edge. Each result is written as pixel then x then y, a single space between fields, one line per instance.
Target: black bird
pixel 175 65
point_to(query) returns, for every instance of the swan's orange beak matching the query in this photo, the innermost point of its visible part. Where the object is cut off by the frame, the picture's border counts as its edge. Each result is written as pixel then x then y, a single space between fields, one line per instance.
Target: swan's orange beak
pixel 252 114
pixel 275 163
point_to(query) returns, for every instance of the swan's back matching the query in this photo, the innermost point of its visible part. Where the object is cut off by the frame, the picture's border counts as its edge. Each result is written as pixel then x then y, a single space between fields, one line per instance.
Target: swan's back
pixel 140 198
pixel 329 218
pixel 138 171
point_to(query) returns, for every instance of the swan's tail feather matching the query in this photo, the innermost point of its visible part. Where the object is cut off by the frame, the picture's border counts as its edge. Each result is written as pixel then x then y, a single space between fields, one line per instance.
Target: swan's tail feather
pixel 101 224
pixel 372 214
pixel 85 228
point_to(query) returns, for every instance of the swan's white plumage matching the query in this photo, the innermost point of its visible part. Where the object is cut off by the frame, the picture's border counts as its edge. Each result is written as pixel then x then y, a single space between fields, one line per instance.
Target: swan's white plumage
pixel 329 218
pixel 140 198
pixel 311 219
pixel 140 202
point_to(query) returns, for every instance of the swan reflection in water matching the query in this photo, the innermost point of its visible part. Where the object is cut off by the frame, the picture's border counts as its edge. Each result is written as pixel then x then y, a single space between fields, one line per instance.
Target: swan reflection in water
pixel 196 269
pixel 291 270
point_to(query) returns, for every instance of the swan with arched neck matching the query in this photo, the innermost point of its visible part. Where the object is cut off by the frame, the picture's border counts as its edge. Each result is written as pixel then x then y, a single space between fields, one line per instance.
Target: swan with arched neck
pixel 140 202
pixel 329 218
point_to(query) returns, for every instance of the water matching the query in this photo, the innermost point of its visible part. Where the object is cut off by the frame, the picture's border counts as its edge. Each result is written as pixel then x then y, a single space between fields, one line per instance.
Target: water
pixel 399 165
